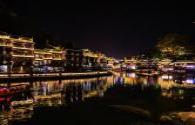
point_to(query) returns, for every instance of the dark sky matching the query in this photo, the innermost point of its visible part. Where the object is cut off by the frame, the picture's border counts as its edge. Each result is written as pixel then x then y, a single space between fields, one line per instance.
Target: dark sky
pixel 117 29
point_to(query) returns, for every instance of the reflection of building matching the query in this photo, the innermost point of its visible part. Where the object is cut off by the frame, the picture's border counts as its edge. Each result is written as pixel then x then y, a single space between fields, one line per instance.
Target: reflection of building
pixel 49 100
pixel 47 93
pixel 17 53
pixel 78 90
pixel 166 82
pixel 13 92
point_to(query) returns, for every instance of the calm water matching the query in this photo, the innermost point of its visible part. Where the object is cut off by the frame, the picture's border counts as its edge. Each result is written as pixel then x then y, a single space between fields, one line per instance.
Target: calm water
pixel 121 99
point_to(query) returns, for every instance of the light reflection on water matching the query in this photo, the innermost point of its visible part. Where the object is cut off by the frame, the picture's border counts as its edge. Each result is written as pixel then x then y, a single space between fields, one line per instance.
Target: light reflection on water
pixel 48 93
pixel 67 92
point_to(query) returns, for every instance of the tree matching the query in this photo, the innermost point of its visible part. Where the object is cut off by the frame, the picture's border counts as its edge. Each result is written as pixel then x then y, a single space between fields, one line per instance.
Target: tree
pixel 156 53
pixel 43 40
pixel 69 45
pixel 174 45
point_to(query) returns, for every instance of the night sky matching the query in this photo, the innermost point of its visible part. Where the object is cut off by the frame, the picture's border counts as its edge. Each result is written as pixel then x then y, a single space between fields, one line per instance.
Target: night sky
pixel 117 29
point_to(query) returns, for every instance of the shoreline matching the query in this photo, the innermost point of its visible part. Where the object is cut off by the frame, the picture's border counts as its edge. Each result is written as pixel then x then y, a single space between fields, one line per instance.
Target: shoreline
pixel 51 76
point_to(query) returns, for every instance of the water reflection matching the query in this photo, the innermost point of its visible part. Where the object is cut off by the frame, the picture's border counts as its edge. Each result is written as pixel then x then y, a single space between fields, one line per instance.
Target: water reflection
pixel 158 94
pixel 17 100
pixel 168 93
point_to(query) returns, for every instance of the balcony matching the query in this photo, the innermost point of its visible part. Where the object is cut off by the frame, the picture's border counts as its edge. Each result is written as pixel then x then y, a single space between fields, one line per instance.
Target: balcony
pixel 38 59
pixel 23 46
pixel 4 37
pixel 21 40
pixel 4 44
pixel 24 53
pixel 48 57
pixel 57 58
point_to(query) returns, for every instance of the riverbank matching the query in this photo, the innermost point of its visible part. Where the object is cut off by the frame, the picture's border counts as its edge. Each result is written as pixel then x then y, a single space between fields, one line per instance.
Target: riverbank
pixel 51 76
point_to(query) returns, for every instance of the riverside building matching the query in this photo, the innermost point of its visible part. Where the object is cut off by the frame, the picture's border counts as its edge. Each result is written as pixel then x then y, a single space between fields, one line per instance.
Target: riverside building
pixel 16 54
pixel 48 60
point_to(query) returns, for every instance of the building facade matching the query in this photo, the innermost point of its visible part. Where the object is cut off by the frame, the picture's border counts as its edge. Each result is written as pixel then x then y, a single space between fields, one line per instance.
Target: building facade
pixel 90 59
pixel 73 59
pixel 48 60
pixel 17 54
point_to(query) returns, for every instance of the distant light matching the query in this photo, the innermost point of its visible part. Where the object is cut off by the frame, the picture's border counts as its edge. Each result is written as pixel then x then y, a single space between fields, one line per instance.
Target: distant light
pixel 133 67
pixel 190 66
pixel 167 69
pixel 190 81
pixel 132 75
pixel 167 77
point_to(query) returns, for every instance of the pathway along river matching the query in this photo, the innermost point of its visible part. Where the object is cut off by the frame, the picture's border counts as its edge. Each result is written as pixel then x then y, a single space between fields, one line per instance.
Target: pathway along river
pixel 122 99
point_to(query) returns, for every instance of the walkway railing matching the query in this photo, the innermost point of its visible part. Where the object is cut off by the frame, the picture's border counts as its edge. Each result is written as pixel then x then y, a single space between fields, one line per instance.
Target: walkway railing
pixel 53 74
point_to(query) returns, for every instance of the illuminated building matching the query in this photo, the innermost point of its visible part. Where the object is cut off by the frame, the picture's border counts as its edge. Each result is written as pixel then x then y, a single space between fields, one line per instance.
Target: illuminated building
pixel 70 59
pixel 5 55
pixel 84 59
pixel 89 59
pixel 48 59
pixel 74 59
pixel 130 63
pixel 58 61
pixel 110 62
pixel 39 57
pixel 181 50
pixel 23 54
pixel 130 60
pixel 17 53
pixel 101 60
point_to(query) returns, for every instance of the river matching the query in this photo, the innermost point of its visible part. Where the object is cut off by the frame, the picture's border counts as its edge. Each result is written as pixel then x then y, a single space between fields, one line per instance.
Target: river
pixel 124 98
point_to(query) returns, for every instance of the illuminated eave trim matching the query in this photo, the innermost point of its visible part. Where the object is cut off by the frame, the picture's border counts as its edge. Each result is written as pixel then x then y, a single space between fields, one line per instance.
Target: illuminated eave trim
pixel 15 39
pixel 59 52
pixel 43 53
pixel 5 45
pixel 57 59
pixel 47 53
pixel 40 53
pixel 30 56
pixel 23 48
pixel 39 59
pixel 22 41
pixel 47 58
pixel 4 37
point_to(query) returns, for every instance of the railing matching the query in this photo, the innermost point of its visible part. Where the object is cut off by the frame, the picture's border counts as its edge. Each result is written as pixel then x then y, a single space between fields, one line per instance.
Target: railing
pixel 4 44
pixel 23 48
pixel 52 74
pixel 48 58
pixel 15 55
pixel 57 58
